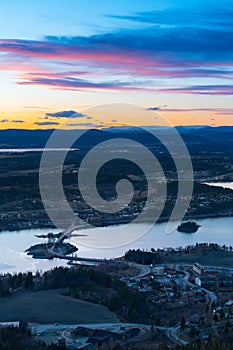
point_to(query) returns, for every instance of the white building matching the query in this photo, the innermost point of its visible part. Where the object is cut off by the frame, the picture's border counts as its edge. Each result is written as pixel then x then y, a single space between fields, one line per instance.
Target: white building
pixel 197 268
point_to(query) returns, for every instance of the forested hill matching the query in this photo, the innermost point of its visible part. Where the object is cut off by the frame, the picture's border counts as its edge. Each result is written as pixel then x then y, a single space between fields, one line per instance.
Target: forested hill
pixel 196 138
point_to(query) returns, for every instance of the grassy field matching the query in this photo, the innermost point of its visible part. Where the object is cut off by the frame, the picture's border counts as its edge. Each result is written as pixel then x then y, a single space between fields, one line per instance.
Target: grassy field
pixel 221 259
pixel 51 306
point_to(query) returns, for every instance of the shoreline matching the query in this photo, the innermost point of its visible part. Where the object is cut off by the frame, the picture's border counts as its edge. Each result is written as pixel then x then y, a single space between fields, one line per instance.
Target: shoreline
pixel 30 226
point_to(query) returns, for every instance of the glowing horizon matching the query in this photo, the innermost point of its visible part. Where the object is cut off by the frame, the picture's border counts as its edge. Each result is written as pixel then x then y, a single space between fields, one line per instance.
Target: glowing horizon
pixel 175 58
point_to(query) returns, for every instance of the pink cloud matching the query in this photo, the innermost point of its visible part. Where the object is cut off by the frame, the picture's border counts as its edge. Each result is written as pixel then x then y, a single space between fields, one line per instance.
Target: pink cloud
pixel 201 90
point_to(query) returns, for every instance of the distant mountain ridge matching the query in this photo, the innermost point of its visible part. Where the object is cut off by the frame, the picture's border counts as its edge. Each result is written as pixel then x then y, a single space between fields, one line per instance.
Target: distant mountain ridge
pixel 196 136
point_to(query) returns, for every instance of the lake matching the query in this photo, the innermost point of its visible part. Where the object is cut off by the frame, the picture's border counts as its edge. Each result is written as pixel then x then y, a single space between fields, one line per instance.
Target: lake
pixel 13 244
pixel 12 252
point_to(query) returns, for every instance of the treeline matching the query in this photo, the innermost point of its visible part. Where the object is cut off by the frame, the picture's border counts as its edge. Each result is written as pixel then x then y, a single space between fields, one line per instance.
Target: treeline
pixel 15 338
pixel 159 256
pixel 211 247
pixel 144 257
pixel 9 282
pixel 198 247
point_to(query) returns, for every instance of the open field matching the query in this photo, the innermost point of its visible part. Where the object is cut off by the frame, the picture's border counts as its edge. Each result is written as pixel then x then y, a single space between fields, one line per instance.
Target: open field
pixel 221 259
pixel 51 306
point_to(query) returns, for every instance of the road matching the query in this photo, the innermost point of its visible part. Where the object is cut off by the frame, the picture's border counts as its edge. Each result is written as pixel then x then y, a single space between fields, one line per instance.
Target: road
pixel 144 270
pixel 114 327
pixel 212 296
pixel 171 332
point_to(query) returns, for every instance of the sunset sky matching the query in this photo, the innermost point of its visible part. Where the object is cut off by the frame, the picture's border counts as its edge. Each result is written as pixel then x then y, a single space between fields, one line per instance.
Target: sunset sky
pixel 174 57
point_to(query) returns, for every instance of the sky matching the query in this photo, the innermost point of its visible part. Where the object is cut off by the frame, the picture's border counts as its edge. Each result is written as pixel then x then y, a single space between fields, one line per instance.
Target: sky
pixel 171 57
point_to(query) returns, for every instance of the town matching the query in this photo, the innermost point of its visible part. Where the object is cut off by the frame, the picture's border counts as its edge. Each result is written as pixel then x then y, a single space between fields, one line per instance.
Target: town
pixel 182 303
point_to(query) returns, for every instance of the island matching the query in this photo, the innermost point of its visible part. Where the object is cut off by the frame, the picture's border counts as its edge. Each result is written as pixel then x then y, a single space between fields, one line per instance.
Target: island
pixel 50 250
pixel 188 227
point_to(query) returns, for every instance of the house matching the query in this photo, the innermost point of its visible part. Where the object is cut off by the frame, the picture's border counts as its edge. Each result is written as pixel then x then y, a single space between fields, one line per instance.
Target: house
pixel 197 268
pixel 198 281
pixel 81 332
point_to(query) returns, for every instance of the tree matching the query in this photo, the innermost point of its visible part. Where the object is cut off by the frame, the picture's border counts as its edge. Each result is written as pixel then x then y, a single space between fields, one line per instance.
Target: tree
pixel 29 281
pixel 182 323
pixel 222 314
pixel 163 347
pixel 213 305
pixel 192 332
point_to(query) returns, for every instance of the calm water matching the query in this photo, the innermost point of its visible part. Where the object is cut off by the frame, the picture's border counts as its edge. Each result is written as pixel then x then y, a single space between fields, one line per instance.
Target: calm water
pixel 12 255
pixel 216 230
pixel 13 244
